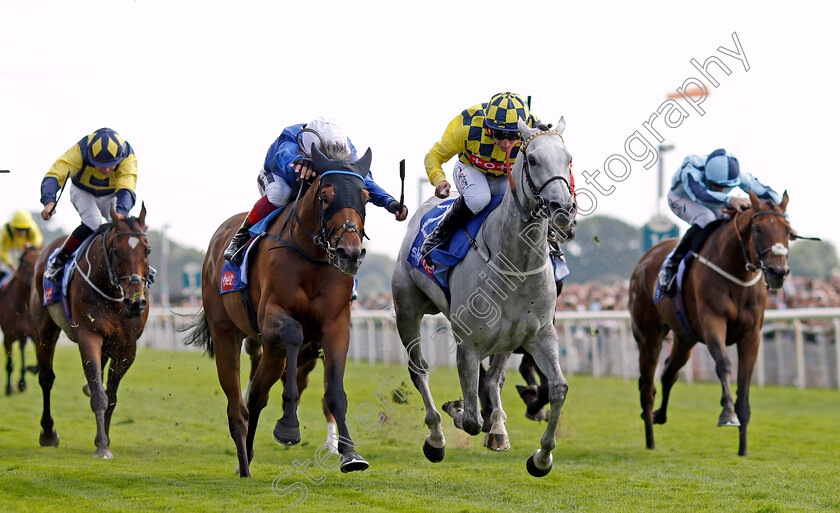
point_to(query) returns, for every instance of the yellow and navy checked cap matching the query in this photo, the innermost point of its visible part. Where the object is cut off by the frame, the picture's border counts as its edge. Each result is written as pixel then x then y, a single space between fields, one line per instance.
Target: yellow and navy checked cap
pixel 106 148
pixel 503 110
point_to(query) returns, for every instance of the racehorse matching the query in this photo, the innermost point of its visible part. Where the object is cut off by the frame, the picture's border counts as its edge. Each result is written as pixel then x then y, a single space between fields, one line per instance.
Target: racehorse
pixel 509 267
pixel 15 320
pixel 108 310
pixel 724 305
pixel 301 278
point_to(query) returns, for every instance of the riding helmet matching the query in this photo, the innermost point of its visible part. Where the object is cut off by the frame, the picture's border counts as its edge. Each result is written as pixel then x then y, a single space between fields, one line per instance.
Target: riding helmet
pixel 504 110
pixel 106 148
pixel 722 169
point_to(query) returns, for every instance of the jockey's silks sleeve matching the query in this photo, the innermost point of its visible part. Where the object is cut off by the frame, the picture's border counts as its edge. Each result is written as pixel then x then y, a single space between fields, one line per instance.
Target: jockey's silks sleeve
pixel 10 240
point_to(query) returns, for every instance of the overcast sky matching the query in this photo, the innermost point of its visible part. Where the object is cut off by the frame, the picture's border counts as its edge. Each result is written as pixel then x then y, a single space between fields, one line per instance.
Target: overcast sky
pixel 201 89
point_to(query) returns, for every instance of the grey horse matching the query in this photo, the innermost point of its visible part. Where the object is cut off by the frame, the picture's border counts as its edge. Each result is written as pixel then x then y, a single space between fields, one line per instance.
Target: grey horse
pixel 502 295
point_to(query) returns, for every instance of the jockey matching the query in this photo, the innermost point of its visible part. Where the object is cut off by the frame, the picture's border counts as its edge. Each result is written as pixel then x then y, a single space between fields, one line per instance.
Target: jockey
pixel 699 191
pixel 480 136
pixel 102 169
pixel 17 233
pixel 285 163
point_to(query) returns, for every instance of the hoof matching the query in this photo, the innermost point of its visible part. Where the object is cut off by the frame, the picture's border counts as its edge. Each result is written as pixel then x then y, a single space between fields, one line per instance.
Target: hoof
pixel 433 454
pixel 86 389
pixel 103 453
pixel 49 440
pixel 497 441
pixel 728 418
pixel 352 462
pixel 659 417
pixel 22 386
pixel 534 470
pixel 286 435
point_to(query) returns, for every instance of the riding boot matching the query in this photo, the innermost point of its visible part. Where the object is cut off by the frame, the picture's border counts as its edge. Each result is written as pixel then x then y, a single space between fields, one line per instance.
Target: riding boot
pixel 240 238
pixel 455 218
pixel 668 275
pixel 55 270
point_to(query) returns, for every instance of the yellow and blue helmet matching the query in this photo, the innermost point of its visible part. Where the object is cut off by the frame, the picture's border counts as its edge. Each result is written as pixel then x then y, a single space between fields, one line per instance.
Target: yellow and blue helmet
pixel 22 220
pixel 106 148
pixel 503 110
pixel 723 169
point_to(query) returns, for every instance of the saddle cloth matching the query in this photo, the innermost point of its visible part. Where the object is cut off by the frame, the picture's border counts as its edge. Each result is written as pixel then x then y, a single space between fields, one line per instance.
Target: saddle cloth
pixel 55 292
pixel 450 253
pixel 679 303
pixel 236 277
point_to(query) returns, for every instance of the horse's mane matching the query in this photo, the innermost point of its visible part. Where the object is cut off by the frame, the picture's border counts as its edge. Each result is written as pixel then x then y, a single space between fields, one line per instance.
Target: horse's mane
pixel 336 151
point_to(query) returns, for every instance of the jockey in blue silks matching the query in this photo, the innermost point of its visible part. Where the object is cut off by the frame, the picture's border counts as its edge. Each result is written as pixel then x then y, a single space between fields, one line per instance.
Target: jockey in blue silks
pixel 699 191
pixel 286 162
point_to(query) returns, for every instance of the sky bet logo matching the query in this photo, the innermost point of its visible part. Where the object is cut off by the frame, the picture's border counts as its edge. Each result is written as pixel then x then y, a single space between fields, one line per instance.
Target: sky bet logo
pixel 227 281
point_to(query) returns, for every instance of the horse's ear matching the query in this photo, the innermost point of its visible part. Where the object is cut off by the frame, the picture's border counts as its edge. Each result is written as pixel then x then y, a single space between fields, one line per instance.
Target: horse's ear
pixel 754 200
pixel 561 125
pixel 142 216
pixel 320 160
pixel 364 163
pixel 524 130
pixel 784 202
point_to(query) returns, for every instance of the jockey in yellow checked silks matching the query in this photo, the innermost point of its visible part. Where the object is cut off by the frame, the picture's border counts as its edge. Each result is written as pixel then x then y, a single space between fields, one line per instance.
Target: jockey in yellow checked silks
pixel 16 234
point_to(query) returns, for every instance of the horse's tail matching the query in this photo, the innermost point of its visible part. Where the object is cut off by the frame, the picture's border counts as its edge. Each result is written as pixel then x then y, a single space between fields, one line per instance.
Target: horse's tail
pixel 199 333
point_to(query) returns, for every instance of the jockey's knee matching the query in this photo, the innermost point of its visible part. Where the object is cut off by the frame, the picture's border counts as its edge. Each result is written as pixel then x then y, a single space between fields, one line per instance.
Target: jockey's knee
pixel 477 201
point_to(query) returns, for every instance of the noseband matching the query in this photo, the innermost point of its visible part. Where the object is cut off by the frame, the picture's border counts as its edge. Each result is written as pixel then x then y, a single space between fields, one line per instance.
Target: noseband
pixel 539 210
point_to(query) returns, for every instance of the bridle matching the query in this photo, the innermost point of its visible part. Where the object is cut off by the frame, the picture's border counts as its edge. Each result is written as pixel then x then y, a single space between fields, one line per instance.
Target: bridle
pixel 114 278
pixel 777 248
pixel 327 239
pixel 541 206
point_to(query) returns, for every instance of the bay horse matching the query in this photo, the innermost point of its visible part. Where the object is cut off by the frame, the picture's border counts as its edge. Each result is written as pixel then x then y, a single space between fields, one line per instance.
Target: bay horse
pixel 508 267
pixel 15 320
pixel 724 302
pixel 300 281
pixel 108 311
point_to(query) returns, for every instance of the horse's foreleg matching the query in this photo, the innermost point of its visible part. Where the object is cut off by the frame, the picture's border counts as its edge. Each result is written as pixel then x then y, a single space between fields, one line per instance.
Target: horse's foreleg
pixel 90 348
pixel 747 354
pixel 279 330
pixel 332 428
pixel 336 343
pixel 119 366
pixel 497 439
pixel 680 354
pixel 544 350
pixel 649 340
pixel 9 367
pixel 723 367
pixel 270 369
pixel 22 382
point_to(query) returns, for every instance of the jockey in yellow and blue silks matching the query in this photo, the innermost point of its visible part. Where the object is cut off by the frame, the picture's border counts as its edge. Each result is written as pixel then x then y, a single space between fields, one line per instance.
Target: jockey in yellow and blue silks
pixel 285 163
pixel 102 169
pixel 699 191
pixel 16 234
pixel 480 136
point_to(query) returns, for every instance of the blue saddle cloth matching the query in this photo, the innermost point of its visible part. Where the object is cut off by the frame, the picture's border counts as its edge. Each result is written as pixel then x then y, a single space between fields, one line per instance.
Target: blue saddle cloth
pixel 679 303
pixel 450 253
pixel 235 277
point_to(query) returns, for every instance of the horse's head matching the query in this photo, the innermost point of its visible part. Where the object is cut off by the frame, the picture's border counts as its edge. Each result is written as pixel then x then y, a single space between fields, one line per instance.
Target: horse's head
pixel 339 197
pixel 544 173
pixel 127 259
pixel 26 266
pixel 770 233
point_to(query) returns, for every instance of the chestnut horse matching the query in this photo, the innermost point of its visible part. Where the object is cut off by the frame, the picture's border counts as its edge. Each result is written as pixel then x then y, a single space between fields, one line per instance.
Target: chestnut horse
pixel 108 310
pixel 300 282
pixel 15 320
pixel 724 302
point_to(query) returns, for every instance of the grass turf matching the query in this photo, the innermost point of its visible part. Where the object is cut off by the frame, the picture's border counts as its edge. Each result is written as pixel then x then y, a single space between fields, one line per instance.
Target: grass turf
pixel 173 451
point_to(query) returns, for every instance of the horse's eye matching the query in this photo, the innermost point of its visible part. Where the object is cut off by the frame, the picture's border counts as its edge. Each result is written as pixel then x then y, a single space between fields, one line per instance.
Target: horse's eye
pixel 532 161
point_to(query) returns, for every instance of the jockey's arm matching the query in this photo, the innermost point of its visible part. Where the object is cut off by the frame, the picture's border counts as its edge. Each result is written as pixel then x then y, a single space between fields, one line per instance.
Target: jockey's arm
pixel 380 198
pixel 449 145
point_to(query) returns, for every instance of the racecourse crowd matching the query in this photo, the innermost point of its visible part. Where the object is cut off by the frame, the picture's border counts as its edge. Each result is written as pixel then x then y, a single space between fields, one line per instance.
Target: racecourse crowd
pixel 797 292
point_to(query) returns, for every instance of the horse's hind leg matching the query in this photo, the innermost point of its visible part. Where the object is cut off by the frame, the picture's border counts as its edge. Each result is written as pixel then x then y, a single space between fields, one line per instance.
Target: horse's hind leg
pixel 497 439
pixel 9 365
pixel 45 350
pixel 649 340
pixel 680 353
pixel 228 346
pixel 22 382
pixel 254 349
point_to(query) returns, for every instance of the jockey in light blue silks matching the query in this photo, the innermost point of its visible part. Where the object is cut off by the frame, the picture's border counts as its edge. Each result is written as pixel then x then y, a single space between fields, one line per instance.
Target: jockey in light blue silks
pixel 286 162
pixel 699 191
